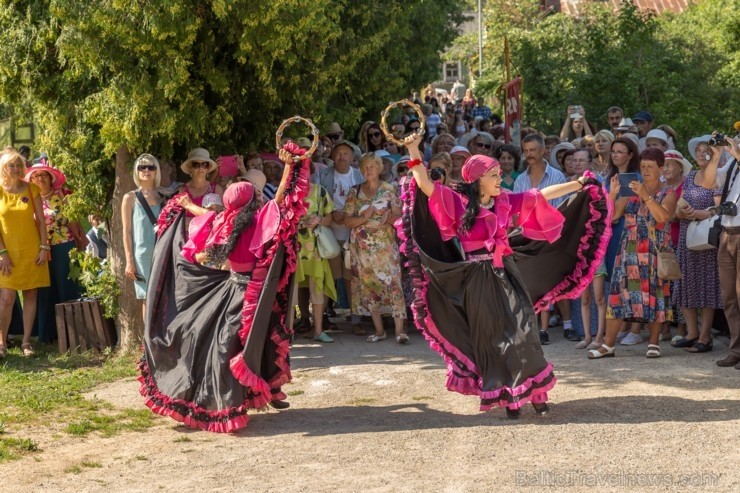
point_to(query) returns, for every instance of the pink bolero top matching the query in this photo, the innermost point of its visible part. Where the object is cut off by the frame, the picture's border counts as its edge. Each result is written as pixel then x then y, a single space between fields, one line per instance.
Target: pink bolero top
pixel 537 218
pixel 250 246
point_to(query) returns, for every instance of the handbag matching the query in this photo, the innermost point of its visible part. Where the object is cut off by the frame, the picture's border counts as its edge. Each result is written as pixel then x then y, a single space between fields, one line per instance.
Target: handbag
pixel 668 268
pixel 346 256
pixel 326 243
pixel 698 234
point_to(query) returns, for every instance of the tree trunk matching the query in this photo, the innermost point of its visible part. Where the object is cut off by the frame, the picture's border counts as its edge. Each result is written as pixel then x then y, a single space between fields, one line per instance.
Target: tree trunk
pixel 129 322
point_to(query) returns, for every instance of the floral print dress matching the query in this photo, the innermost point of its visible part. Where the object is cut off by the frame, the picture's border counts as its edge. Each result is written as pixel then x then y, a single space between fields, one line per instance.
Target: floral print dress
pixel 636 293
pixel 376 265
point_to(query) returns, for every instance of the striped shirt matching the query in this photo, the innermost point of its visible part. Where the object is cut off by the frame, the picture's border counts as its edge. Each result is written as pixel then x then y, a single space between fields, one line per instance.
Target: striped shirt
pixel 552 177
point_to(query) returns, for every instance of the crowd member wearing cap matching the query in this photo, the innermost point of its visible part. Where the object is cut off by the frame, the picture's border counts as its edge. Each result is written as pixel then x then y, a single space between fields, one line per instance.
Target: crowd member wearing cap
pixel 223 348
pixel 658 139
pixel 338 180
pixel 636 293
pixel 138 208
pixel 729 241
pixel 509 157
pixel 459 155
pixel 387 174
pixel 63 235
pixel 557 152
pixel 626 126
pixel 273 170
pixel 644 122
pixel 698 289
pixel 474 305
pixel 202 171
pixel 24 247
pixel 575 126
pixel 369 212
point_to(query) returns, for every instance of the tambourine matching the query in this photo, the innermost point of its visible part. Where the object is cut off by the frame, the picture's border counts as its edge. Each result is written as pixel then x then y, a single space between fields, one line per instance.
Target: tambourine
pixel 314 132
pixel 384 126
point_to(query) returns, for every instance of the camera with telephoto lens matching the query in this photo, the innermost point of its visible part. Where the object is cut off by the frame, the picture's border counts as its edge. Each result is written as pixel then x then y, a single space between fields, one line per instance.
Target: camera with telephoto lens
pixel 437 174
pixel 717 139
pixel 726 209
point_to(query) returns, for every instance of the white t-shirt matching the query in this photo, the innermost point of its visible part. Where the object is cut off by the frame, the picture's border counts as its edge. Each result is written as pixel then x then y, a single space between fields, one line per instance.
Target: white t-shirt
pixel 343 183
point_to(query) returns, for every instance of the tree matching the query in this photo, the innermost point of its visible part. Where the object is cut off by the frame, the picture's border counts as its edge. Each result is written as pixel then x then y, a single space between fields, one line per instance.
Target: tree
pixel 108 79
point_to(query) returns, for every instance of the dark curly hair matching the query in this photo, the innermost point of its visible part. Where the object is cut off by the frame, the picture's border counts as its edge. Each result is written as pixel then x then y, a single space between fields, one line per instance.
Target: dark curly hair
pixel 217 254
pixel 472 192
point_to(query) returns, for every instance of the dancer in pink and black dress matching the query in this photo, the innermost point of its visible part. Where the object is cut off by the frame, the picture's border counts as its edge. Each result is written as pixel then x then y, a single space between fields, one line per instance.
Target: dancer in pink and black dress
pixel 474 285
pixel 216 342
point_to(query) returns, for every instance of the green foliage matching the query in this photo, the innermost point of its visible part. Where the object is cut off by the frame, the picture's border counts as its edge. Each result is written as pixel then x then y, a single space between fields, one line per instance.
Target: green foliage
pixel 166 76
pixel 97 279
pixel 13 448
pixel 680 67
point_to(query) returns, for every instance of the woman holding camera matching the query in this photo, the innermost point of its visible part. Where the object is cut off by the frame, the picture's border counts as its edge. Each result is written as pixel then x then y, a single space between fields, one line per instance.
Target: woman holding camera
pixel 636 293
pixel 370 211
pixel 698 289
pixel 575 126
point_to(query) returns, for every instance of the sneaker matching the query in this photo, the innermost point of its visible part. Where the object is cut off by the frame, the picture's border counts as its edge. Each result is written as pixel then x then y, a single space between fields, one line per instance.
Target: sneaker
pixel 554 321
pixel 544 338
pixel 571 335
pixel 631 339
pixel 622 335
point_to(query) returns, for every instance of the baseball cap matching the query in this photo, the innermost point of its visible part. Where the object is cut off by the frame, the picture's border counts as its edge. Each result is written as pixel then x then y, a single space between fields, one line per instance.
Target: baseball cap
pixel 460 150
pixel 643 116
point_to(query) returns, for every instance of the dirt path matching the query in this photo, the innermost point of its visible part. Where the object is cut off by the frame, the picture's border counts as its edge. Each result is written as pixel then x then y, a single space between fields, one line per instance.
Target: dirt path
pixel 376 417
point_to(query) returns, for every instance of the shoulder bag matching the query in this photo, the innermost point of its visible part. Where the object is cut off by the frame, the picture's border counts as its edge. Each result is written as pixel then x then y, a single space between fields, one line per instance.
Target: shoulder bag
pixel 326 243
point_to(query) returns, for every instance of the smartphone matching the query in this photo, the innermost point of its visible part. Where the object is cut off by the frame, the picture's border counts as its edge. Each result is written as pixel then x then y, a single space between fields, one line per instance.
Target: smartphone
pixel 227 166
pixel 624 184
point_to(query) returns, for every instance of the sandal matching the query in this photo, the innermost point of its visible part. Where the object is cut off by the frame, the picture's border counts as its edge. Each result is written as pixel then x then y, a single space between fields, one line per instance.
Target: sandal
pixel 602 351
pixel 683 342
pixel 376 338
pixel 358 330
pixel 402 338
pixel 594 345
pixel 27 349
pixel 653 351
pixel 584 344
pixel 700 347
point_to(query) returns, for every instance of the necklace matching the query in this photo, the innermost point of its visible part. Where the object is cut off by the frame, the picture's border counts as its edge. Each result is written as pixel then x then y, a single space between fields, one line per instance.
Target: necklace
pixel 47 195
pixel 488 206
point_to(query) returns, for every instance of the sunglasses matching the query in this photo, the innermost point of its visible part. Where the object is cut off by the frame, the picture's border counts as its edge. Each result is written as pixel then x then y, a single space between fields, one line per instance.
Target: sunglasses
pixel 414 129
pixel 373 135
pixel 146 167
pixel 199 164
pixel 333 136
pixel 402 169
pixel 481 144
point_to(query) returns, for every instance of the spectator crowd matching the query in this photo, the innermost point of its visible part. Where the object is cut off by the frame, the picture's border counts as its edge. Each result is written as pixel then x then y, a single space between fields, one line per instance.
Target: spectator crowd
pixel 656 194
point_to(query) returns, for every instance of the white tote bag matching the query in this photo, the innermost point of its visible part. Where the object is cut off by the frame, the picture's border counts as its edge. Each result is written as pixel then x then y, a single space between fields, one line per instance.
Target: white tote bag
pixel 697 234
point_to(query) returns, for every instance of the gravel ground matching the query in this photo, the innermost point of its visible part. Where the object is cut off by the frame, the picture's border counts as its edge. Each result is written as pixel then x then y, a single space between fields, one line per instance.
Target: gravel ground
pixel 377 417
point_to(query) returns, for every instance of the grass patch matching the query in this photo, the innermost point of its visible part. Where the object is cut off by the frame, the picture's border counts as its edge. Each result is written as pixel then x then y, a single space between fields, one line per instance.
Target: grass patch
pixel 293 393
pixel 14 448
pixel 182 440
pixel 422 398
pixel 360 402
pixel 73 470
pixel 91 464
pixel 49 388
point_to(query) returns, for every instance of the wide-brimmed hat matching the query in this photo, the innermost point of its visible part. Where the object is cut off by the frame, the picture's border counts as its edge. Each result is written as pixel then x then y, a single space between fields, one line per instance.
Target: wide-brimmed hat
pixel 673 155
pixel 625 124
pixel 57 177
pixel 198 154
pixel 256 178
pixel 657 133
pixel 694 143
pixel 563 146
pixel 333 128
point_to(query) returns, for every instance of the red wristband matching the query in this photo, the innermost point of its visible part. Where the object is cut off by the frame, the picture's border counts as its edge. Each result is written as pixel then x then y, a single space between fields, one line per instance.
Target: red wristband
pixel 413 162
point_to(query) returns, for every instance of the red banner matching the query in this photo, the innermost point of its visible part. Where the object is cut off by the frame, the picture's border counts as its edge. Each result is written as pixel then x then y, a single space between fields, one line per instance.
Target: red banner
pixel 513 111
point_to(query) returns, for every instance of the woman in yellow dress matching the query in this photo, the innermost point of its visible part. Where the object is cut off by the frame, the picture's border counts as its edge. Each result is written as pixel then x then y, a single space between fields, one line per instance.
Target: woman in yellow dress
pixel 23 255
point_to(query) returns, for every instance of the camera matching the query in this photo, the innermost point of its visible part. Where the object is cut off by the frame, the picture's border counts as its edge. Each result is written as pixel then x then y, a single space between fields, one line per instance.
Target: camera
pixel 717 139
pixel 726 209
pixel 437 174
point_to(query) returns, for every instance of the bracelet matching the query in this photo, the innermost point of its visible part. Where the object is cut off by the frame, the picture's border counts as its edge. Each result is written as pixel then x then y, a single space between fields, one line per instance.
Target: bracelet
pixel 413 162
pixel 648 200
pixel 44 247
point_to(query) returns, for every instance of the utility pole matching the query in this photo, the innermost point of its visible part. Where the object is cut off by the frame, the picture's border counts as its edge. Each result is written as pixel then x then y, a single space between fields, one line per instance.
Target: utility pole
pixel 480 38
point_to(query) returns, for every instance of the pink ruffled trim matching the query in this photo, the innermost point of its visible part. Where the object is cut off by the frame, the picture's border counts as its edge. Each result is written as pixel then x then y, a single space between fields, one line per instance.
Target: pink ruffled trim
pixel 222 421
pixel 462 373
pixel 294 207
pixel 577 281
pixel 169 212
